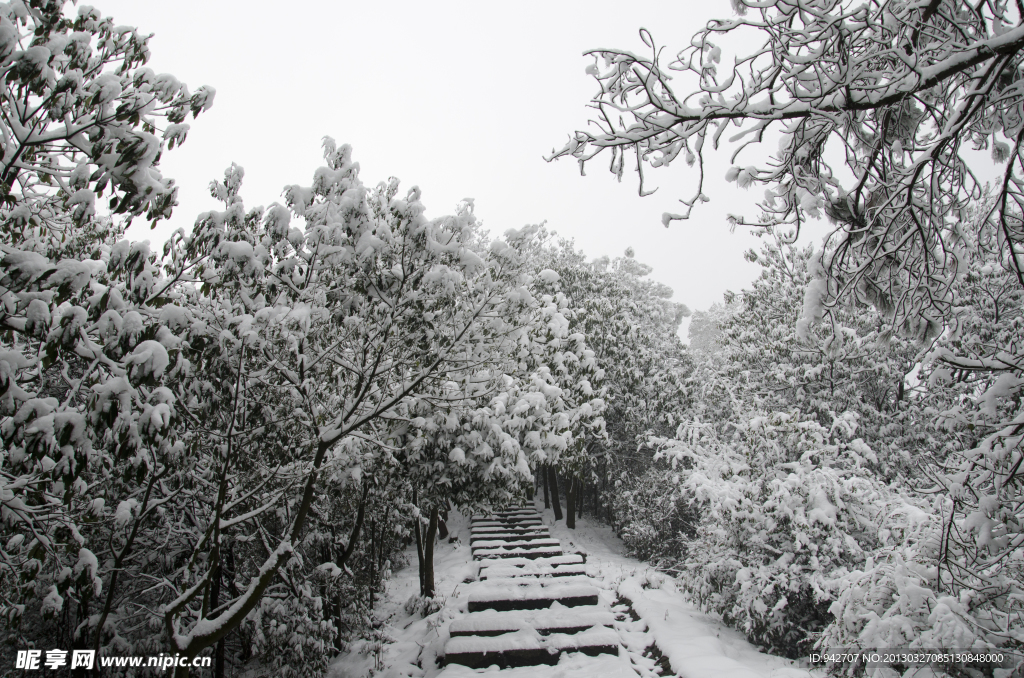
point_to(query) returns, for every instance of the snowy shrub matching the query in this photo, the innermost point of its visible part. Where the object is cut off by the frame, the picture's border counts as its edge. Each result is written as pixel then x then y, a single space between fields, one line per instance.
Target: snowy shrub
pixel 291 634
pixel 421 606
pixel 774 537
pixel 655 521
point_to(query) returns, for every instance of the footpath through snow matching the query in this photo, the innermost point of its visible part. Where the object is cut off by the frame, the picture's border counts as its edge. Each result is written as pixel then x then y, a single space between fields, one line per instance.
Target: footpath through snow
pixel 542 600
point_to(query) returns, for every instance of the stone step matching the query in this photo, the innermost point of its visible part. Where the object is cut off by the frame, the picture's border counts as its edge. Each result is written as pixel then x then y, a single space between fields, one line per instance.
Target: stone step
pixel 554 561
pixel 529 530
pixel 532 597
pixel 597 666
pixel 530 580
pixel 508 539
pixel 518 552
pixel 545 622
pixel 525 522
pixel 501 572
pixel 512 511
pixel 516 543
pixel 510 534
pixel 528 648
pixel 506 519
pixel 507 526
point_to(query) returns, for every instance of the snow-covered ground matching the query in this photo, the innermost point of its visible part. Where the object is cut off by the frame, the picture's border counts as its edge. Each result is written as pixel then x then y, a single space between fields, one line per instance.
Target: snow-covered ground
pixel 696 645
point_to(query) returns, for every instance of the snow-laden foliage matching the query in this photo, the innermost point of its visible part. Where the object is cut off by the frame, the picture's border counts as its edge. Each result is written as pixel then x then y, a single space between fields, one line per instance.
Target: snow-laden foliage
pixel 777 534
pixel 774 483
pixel 834 485
pixel 631 324
pixel 905 322
pixel 874 106
pixel 179 429
pixel 87 426
pixel 222 447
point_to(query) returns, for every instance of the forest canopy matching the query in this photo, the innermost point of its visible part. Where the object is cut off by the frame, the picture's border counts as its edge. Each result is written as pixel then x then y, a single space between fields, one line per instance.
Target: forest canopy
pixel 225 445
pixel 882 369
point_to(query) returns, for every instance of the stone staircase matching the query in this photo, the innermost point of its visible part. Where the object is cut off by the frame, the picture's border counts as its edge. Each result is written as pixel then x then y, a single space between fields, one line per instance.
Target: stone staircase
pixel 531 602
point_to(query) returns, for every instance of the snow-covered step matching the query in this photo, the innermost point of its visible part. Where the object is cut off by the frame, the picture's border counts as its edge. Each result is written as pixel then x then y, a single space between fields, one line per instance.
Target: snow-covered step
pixel 528 529
pixel 515 512
pixel 530 581
pixel 507 536
pixel 556 560
pixel 532 597
pixel 511 509
pixel 575 665
pixel 519 552
pixel 528 648
pixel 516 543
pixel 503 572
pixel 552 560
pixel 509 528
pixel 515 528
pixel 492 623
pixel 506 525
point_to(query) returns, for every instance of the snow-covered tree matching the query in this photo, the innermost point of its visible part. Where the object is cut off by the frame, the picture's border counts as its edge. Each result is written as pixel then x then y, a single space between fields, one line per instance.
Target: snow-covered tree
pixel 348 322
pixel 875 108
pixel 632 325
pixel 83 413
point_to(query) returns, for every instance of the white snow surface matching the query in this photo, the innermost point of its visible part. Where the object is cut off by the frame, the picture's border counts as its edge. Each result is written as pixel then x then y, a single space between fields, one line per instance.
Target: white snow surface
pixel 547 561
pixel 510 531
pixel 506 572
pixel 553 618
pixel 514 522
pixel 696 644
pixel 497 543
pixel 529 639
pixel 547 582
pixel 513 552
pixel 573 665
pixel 552 588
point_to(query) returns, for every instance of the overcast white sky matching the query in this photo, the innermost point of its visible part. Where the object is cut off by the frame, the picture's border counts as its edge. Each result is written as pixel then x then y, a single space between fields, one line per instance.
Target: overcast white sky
pixel 460 98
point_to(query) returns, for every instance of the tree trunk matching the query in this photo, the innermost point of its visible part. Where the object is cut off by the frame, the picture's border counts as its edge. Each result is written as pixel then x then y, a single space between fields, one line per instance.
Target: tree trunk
pixel 570 502
pixel 353 538
pixel 373 561
pixel 544 482
pixel 427 565
pixel 419 545
pixel 218 657
pixel 218 660
pixel 581 492
pixel 553 482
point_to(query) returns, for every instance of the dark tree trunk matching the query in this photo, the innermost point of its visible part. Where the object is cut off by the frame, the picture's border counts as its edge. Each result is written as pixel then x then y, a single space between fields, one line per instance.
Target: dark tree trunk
pixel 380 557
pixel 442 527
pixel 427 591
pixel 218 657
pixel 581 492
pixel 373 561
pixel 419 545
pixel 544 482
pixel 353 538
pixel 570 502
pixel 553 482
